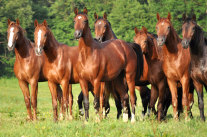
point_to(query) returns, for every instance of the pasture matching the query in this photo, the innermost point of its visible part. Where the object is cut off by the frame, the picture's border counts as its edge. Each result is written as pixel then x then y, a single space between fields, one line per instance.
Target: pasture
pixel 13 118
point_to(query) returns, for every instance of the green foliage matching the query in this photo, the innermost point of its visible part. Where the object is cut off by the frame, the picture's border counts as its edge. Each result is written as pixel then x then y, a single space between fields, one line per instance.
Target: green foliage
pixel 123 16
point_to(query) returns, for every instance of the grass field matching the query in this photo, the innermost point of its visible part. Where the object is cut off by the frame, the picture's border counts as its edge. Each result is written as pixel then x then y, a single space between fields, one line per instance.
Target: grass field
pixel 13 118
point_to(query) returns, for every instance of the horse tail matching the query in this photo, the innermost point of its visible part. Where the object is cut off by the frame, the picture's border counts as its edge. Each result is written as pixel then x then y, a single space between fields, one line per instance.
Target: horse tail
pixel 140 62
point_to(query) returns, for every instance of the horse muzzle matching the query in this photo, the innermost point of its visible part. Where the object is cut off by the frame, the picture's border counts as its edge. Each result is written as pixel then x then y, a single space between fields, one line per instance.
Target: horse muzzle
pixel 99 39
pixel 161 40
pixel 78 34
pixel 38 51
pixel 185 43
pixel 10 48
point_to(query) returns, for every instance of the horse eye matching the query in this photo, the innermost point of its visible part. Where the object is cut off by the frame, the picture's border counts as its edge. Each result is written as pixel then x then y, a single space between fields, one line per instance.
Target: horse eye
pixel 74 21
pixel 168 27
pixel 45 35
pixel 85 21
pixel 193 29
pixel 105 26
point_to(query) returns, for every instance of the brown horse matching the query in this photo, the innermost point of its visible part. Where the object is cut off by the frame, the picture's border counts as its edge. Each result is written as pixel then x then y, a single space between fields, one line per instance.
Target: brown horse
pixel 104 32
pixel 193 37
pixel 59 66
pixel 111 60
pixel 176 62
pixel 27 66
pixel 156 76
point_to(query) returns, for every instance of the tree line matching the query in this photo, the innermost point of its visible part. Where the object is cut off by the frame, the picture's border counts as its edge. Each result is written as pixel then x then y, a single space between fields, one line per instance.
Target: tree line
pixel 123 15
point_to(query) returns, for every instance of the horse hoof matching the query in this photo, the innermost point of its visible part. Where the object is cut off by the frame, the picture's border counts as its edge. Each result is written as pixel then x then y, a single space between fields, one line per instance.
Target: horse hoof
pixel 61 117
pixel 97 119
pixel 133 120
pixel 125 117
pixel 187 119
pixel 86 122
pixel 81 112
pixel 70 117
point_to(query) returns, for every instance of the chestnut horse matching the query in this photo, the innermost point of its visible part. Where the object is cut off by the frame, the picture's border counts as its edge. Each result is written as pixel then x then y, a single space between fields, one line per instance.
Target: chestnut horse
pixel 59 66
pixel 27 66
pixel 193 36
pixel 104 32
pixel 108 61
pixel 156 76
pixel 176 62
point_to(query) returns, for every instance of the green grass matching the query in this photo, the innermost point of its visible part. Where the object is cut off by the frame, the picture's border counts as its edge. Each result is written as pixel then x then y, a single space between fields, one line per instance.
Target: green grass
pixel 13 118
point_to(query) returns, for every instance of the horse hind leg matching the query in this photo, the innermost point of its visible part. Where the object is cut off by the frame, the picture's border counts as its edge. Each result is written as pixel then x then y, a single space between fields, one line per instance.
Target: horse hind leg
pixel 199 90
pixel 59 97
pixel 25 90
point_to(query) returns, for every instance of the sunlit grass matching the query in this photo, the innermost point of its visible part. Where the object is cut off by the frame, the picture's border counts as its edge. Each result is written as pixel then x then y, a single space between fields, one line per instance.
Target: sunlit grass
pixel 13 118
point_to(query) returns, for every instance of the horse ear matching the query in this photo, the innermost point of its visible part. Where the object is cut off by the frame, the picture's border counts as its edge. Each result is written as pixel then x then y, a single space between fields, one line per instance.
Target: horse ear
pixel 45 23
pixel 169 16
pixel 76 11
pixel 35 23
pixel 105 16
pixel 136 30
pixel 95 16
pixel 9 21
pixel 184 17
pixel 144 29
pixel 85 10
pixel 17 21
pixel 158 16
pixel 194 17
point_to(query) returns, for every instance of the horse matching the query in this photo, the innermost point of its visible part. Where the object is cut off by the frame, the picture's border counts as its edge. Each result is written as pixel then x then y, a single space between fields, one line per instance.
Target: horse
pixel 156 76
pixel 106 62
pixel 104 32
pixel 27 66
pixel 59 66
pixel 176 62
pixel 193 37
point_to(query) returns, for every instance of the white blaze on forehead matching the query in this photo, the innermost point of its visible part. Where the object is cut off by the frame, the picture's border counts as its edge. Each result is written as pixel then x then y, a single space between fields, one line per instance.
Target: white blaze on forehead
pixel 163 23
pixel 99 23
pixel 39 38
pixel 79 17
pixel 10 43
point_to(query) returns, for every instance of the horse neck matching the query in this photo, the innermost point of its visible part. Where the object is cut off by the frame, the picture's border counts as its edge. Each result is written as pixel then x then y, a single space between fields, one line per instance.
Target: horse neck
pixel 172 41
pixel 109 34
pixel 152 51
pixel 51 46
pixel 86 42
pixel 197 42
pixel 22 47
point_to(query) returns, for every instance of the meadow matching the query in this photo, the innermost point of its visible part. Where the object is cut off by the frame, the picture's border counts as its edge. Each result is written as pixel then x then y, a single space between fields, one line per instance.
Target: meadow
pixel 13 118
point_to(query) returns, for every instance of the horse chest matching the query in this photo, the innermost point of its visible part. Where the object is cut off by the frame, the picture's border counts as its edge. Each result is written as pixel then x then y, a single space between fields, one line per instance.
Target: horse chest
pixel 26 69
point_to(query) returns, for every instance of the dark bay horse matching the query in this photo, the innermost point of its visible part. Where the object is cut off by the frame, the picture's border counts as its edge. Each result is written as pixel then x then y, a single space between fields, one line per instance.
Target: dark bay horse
pixel 176 62
pixel 27 66
pixel 193 37
pixel 156 76
pixel 59 66
pixel 104 32
pixel 108 61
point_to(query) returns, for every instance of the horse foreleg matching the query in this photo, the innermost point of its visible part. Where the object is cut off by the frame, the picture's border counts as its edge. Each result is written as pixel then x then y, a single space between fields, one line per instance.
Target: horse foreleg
pixel 199 90
pixel 34 88
pixel 70 102
pixel 161 87
pixel 65 87
pixel 153 99
pixel 53 91
pixel 25 90
pixel 185 86
pixel 84 87
pixel 80 103
pixel 173 89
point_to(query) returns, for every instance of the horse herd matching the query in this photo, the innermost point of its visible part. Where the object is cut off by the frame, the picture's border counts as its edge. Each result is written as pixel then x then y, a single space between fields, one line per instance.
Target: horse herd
pixel 106 65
